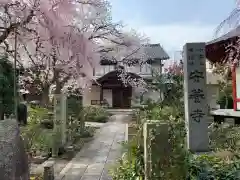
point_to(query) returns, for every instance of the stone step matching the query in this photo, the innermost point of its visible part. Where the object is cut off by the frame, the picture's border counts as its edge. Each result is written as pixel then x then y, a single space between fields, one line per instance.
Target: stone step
pixel 121 111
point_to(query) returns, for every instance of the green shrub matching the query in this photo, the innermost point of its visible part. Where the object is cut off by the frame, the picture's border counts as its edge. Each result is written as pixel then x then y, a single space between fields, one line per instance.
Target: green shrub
pixel 36 138
pixel 208 167
pixel 100 118
pixel 74 105
pixel 183 165
pixel 177 165
pixel 95 114
pixel 88 132
pixel 6 87
pixel 224 101
pixel 224 137
pixel 36 115
pixel 47 123
pixel 178 159
pixel 131 165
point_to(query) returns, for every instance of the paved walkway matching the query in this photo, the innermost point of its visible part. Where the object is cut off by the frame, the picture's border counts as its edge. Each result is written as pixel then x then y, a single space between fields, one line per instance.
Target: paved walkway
pixel 95 159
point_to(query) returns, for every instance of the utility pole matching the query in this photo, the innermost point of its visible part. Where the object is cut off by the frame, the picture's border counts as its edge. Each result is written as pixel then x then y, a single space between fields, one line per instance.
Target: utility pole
pixel 15 75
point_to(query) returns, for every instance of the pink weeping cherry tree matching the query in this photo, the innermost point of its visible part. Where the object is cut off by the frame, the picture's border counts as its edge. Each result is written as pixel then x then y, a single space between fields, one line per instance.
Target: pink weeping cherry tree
pixel 50 45
pixel 59 43
pixel 233 48
pixel 126 51
pixel 173 76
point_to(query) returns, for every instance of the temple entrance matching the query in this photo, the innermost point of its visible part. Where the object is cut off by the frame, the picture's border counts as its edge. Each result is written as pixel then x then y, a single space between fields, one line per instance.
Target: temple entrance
pixel 121 94
pixel 121 97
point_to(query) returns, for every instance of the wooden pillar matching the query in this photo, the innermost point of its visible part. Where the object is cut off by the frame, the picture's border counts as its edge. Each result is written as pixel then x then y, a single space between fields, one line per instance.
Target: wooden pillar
pixel 101 95
pixel 234 91
pixel 235 83
pixel 121 98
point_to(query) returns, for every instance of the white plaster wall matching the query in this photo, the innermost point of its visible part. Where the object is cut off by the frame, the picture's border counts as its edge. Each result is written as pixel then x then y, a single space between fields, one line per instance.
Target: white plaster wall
pixel 212 81
pixel 92 93
pixel 145 69
pixel 157 67
pixel 212 78
pixel 136 94
pixel 152 94
pixel 107 94
pixel 101 70
pixel 212 95
pixel 208 65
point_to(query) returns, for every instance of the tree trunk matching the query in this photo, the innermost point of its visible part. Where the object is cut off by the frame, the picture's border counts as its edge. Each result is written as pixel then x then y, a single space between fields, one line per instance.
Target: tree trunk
pixel 226 101
pixel 1 115
pixel 1 111
pixel 45 96
pixel 58 88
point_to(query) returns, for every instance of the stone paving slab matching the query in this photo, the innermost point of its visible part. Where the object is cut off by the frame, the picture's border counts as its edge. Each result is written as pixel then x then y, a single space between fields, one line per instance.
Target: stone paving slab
pixel 96 157
pixel 94 169
pixel 94 124
pixel 90 177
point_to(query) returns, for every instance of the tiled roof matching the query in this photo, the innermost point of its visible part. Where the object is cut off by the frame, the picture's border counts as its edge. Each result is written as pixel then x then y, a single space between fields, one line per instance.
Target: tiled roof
pixel 155 51
pixel 233 33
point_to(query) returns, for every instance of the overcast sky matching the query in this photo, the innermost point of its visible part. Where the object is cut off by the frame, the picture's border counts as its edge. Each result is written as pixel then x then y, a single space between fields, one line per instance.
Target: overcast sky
pixel 172 23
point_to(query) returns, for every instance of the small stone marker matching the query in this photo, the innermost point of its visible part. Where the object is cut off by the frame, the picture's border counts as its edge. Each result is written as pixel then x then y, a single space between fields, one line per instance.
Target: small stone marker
pixel 60 118
pixel 64 118
pixel 48 173
pixel 195 98
pixel 157 149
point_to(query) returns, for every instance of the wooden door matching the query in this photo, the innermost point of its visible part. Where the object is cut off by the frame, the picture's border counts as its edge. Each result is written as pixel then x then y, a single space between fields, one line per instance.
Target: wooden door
pixel 116 98
pixel 121 97
pixel 127 94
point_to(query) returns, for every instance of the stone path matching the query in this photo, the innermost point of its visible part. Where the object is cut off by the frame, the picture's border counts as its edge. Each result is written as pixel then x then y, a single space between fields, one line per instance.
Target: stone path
pixel 95 159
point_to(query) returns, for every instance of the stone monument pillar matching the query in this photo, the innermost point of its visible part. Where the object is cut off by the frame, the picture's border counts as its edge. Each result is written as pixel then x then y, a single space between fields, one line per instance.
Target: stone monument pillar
pixel 195 98
pixel 60 120
pixel 64 118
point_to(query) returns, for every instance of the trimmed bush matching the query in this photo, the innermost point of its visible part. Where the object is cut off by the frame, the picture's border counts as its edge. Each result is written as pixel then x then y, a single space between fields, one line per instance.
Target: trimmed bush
pixel 95 114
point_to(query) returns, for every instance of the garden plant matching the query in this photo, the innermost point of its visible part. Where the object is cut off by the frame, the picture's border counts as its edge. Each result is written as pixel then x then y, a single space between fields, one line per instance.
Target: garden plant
pixel 222 163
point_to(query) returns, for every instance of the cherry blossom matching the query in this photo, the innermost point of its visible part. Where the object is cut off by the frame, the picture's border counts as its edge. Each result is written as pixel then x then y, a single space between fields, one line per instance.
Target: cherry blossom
pixel 60 42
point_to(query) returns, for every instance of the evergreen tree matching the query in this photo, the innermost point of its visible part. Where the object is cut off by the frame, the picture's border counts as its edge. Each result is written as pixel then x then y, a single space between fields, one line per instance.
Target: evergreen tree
pixel 6 87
